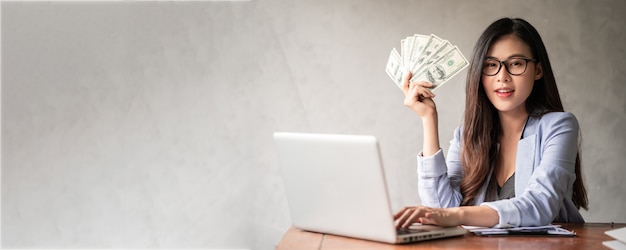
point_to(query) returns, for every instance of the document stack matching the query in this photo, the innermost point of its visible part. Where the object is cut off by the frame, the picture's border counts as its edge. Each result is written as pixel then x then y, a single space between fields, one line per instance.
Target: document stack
pixel 620 239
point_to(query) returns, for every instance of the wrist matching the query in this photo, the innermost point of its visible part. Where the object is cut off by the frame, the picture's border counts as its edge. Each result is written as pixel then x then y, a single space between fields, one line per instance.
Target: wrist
pixel 430 123
pixel 430 117
pixel 459 215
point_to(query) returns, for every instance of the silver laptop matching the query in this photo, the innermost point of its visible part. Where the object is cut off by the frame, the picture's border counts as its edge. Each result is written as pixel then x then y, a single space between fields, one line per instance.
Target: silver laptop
pixel 335 184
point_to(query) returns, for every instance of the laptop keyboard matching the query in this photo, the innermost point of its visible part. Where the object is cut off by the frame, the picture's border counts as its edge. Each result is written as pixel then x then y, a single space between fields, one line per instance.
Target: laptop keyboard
pixel 402 231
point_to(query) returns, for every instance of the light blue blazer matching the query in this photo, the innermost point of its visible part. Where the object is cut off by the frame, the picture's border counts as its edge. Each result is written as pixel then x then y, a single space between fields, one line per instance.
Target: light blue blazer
pixel 544 175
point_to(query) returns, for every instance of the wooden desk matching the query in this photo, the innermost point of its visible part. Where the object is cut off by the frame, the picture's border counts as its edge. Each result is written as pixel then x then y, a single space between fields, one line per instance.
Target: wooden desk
pixel 588 236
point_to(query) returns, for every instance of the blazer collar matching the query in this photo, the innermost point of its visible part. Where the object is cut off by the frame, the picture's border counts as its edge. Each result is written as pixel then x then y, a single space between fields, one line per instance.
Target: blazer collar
pixel 525 156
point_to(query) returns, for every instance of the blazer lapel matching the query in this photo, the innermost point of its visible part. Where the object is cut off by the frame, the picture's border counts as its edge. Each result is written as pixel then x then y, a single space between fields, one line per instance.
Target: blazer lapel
pixel 525 156
pixel 524 163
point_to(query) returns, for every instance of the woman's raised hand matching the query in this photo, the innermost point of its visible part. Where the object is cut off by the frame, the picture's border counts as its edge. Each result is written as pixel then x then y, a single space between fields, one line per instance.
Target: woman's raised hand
pixel 418 97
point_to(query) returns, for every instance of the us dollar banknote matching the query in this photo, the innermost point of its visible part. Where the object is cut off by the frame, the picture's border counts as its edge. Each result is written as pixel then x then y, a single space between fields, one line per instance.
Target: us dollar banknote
pixel 443 69
pixel 421 54
pixel 394 67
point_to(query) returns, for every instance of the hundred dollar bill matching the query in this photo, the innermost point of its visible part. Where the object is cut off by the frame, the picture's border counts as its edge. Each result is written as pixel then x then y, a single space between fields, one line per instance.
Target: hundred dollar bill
pixel 431 47
pixel 406 46
pixel 440 71
pixel 419 43
pixel 395 67
pixel 443 49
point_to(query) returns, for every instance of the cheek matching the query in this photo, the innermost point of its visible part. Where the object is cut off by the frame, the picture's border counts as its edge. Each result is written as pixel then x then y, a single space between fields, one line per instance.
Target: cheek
pixel 528 89
pixel 528 83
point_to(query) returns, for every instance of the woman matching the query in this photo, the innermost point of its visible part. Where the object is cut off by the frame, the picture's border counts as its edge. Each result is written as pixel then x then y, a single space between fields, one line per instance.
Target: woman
pixel 515 161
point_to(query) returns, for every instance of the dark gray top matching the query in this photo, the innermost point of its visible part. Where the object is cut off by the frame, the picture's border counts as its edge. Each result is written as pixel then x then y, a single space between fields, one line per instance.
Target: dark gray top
pixel 495 192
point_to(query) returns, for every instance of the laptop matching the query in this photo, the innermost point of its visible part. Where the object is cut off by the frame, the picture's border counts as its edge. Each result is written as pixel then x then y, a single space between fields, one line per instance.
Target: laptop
pixel 335 184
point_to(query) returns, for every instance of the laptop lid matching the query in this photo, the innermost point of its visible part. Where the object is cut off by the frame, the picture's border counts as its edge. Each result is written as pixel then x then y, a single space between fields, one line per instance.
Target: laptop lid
pixel 335 184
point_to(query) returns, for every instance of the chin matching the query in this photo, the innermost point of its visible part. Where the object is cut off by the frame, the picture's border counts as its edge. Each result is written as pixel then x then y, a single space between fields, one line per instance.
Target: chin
pixel 510 108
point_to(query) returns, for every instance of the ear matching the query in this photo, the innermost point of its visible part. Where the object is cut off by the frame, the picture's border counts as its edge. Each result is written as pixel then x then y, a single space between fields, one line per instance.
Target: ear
pixel 538 71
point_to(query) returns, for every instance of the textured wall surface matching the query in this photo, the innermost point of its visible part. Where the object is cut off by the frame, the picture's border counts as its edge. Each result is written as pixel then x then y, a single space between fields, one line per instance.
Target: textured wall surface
pixel 148 124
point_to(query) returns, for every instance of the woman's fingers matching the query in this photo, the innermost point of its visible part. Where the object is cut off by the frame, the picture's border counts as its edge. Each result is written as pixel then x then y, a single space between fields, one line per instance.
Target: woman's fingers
pixel 399 214
pixel 421 88
pixel 405 82
pixel 412 217
pixel 409 215
pixel 407 86
pixel 402 217
pixel 424 89
pixel 417 92
pixel 426 215
pixel 418 96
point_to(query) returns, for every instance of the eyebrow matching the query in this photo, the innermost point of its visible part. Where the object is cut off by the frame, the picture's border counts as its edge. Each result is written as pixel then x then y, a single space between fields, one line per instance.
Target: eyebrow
pixel 511 56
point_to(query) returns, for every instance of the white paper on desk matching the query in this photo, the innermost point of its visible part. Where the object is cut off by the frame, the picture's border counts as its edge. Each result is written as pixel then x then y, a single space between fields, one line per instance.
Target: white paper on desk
pixel 614 244
pixel 547 230
pixel 618 234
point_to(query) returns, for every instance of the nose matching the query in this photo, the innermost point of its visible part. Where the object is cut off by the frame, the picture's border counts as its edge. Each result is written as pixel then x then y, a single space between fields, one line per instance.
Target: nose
pixel 503 75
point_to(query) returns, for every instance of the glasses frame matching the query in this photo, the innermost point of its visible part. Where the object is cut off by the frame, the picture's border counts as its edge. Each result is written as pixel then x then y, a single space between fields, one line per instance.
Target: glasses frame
pixel 502 63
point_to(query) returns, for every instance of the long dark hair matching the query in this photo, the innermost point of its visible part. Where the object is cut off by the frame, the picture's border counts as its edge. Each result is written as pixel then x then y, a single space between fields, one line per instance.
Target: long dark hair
pixel 482 126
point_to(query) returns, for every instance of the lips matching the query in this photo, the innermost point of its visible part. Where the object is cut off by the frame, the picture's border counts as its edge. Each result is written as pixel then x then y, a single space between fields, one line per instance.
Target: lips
pixel 504 92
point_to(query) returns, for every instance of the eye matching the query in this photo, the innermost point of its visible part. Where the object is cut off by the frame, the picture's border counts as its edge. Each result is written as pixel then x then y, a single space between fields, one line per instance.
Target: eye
pixel 516 63
pixel 490 64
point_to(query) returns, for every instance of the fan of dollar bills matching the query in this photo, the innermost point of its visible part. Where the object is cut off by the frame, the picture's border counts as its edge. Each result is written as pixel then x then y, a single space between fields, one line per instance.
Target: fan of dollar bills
pixel 429 58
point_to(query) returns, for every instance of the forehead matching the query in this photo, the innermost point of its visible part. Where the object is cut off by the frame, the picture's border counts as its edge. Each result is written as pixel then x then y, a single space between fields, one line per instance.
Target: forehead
pixel 509 46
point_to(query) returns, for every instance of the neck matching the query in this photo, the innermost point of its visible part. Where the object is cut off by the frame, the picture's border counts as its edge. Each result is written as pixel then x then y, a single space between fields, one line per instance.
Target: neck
pixel 512 123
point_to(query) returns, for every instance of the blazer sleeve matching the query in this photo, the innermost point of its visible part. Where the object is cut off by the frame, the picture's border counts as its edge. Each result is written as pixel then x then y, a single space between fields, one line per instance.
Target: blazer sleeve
pixel 551 179
pixel 439 180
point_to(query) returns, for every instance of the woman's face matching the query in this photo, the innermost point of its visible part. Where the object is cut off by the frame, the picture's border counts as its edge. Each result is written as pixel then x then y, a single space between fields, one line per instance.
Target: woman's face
pixel 508 92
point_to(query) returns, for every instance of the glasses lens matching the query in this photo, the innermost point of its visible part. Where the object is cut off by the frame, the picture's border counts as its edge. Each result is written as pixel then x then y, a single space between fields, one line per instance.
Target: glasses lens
pixel 516 66
pixel 491 67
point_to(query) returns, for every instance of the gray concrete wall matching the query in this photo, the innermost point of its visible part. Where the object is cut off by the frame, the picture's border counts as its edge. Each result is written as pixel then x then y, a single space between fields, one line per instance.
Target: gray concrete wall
pixel 148 124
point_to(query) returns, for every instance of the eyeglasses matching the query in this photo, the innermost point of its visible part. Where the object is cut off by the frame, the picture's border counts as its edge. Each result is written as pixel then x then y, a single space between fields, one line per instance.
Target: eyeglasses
pixel 515 66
